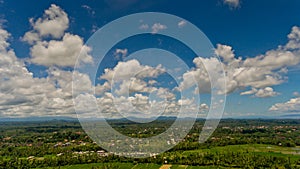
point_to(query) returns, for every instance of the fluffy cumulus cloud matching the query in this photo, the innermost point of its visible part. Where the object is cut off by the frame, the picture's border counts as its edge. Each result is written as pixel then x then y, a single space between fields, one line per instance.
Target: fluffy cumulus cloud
pixel 158 27
pixel 266 92
pixel 240 74
pixel 64 80
pixel 61 52
pixel 225 52
pixel 198 78
pixel 3 40
pixel 291 106
pixel 294 39
pixel 129 87
pixel 130 90
pixel 131 68
pixel 121 53
pixel 53 23
pixel 63 48
pixel 259 73
pixel 24 95
pixel 129 77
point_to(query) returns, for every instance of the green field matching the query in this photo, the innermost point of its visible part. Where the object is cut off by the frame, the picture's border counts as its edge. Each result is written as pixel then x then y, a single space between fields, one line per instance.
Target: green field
pixel 128 166
pixel 293 153
pixel 110 165
pixel 255 148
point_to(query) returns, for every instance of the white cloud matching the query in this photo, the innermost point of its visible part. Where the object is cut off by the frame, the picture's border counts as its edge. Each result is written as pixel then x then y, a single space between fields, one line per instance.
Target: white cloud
pixel 133 95
pixel 53 23
pixel 131 68
pixel 181 23
pixel 152 82
pixel 260 72
pixel 121 52
pixel 265 70
pixel 31 37
pixel 249 92
pixel 85 106
pixel 164 93
pixel 199 77
pixel 35 97
pixel 225 52
pixel 185 102
pixel 193 77
pixel 3 39
pixel 294 39
pixel 293 105
pixel 266 92
pixel 255 77
pixel 101 89
pixel 274 59
pixel 158 27
pixel 63 80
pixel 155 28
pixel 128 77
pixel 137 105
pixel 133 85
pixel 24 95
pixel 204 106
pixel 232 3
pixel 61 51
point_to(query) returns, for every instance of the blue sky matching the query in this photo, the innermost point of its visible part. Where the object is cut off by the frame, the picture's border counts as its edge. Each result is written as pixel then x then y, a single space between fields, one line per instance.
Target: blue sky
pixel 242 29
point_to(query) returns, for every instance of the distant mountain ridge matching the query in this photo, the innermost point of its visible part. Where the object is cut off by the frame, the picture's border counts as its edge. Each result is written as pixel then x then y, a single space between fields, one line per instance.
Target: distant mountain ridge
pixel 65 118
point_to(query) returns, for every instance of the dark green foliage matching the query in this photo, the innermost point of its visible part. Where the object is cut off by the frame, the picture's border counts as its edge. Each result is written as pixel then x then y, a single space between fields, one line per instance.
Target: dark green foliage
pixel 58 143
